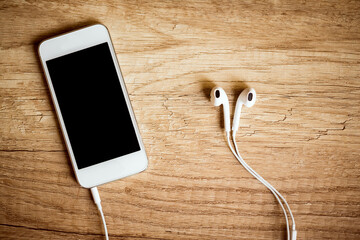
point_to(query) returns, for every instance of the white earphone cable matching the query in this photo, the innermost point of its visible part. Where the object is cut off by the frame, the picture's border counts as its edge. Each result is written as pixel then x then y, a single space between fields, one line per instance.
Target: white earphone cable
pixel 97 201
pixel 252 172
pixel 266 183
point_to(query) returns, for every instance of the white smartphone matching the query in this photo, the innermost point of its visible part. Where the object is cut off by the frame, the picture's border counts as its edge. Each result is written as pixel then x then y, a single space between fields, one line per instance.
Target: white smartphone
pixel 92 105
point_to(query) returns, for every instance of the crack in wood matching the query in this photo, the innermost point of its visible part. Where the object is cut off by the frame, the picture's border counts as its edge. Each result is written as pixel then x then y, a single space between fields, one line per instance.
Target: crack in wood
pixel 326 131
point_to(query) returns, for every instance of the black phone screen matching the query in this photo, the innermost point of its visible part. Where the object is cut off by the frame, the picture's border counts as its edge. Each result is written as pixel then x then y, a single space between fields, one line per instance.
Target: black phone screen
pixel 93 105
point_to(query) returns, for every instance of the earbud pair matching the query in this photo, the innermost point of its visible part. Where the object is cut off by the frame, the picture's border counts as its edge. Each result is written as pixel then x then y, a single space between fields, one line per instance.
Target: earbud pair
pixel 247 97
pixel 218 97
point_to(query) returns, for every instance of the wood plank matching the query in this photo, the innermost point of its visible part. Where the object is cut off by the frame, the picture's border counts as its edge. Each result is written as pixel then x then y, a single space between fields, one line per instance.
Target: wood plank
pixel 302 135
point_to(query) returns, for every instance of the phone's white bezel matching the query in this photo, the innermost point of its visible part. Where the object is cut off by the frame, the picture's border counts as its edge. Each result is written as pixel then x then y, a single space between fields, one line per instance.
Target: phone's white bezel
pixel 118 167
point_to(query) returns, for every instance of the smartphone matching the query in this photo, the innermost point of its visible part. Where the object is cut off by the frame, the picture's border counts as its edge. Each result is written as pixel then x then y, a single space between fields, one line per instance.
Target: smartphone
pixel 92 105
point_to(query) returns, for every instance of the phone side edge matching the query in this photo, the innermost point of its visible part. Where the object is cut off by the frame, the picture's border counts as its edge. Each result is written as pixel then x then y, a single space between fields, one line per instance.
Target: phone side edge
pixel 53 95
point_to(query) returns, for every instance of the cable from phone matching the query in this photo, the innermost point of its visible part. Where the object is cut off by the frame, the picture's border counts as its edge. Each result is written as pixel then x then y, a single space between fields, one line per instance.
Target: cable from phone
pixel 97 201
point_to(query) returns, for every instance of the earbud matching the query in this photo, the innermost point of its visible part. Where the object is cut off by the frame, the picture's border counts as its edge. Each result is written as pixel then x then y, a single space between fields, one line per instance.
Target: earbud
pixel 218 97
pixel 247 97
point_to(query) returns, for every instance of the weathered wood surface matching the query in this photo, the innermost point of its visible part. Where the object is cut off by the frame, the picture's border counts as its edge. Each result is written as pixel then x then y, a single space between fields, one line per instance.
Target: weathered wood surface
pixel 303 134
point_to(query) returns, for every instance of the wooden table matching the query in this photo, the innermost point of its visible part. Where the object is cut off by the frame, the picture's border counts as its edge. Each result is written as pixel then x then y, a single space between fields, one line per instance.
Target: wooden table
pixel 302 135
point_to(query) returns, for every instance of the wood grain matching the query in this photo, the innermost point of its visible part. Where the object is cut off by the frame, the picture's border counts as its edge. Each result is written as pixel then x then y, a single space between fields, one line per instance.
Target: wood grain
pixel 303 134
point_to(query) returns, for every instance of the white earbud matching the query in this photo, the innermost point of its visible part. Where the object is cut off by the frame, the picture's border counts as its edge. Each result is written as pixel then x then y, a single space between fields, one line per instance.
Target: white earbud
pixel 248 98
pixel 218 97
